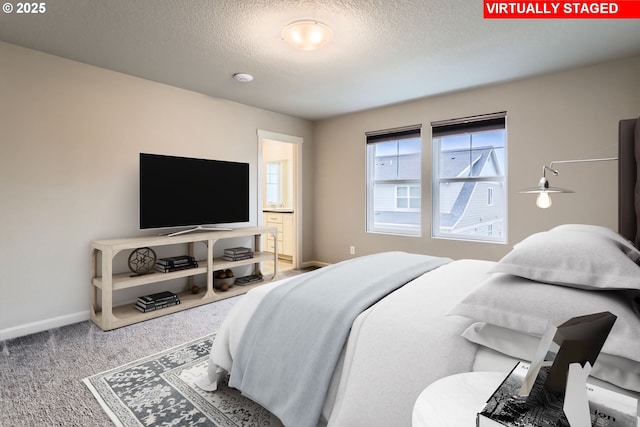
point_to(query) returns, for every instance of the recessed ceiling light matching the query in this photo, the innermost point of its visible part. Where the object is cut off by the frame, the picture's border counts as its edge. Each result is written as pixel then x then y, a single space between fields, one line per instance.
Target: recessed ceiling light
pixel 243 77
pixel 307 34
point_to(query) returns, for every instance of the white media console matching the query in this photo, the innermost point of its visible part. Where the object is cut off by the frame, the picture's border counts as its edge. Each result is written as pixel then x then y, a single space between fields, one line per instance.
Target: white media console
pixel 105 282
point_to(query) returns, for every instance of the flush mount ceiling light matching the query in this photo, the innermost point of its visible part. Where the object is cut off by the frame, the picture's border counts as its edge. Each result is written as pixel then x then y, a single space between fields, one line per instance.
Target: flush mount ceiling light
pixel 243 77
pixel 307 34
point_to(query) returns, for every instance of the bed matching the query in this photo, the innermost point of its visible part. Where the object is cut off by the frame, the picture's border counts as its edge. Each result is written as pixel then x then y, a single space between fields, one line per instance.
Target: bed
pixel 453 316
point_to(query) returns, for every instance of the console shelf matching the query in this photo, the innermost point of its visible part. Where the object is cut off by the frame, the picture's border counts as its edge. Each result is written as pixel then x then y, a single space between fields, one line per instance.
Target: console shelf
pixel 104 282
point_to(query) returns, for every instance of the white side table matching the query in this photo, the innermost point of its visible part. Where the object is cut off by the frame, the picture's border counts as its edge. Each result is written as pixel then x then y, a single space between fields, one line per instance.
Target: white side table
pixel 455 401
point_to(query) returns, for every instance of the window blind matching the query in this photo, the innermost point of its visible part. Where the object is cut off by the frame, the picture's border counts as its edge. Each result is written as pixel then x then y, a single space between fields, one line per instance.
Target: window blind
pixel 469 124
pixel 393 134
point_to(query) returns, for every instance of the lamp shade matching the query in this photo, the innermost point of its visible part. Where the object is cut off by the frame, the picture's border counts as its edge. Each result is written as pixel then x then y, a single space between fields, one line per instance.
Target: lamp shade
pixel 536 190
pixel 543 187
pixel 307 34
pixel 543 190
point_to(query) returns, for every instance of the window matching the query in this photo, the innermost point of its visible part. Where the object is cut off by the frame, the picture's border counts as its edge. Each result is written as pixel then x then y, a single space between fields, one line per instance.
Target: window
pixel 408 197
pixel 469 178
pixel 274 183
pixel 394 189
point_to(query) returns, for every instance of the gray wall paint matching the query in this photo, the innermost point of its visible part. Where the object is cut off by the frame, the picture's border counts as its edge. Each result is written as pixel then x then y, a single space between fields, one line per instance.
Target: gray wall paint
pixel 564 115
pixel 71 134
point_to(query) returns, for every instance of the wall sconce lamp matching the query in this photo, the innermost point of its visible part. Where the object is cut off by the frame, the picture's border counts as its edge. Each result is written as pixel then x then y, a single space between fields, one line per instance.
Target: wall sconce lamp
pixel 543 190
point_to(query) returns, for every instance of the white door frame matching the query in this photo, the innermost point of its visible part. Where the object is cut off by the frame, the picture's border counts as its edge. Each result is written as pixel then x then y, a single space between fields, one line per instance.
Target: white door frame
pixel 297 184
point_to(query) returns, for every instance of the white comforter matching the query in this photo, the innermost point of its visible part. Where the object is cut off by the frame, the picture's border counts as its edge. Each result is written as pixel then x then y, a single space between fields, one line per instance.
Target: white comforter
pixel 395 349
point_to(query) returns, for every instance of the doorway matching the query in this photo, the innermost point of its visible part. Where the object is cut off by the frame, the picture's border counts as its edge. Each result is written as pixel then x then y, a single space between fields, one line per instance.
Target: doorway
pixel 279 197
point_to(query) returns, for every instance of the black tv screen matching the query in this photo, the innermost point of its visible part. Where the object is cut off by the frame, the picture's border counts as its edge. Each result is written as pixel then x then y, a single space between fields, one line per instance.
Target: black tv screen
pixel 183 191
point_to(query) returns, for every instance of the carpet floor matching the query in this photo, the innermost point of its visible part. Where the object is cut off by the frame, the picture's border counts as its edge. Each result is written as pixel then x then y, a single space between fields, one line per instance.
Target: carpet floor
pixel 41 374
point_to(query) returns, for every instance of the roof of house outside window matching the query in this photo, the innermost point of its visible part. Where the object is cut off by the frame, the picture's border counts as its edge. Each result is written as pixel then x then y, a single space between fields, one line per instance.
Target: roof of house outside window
pixel 455 163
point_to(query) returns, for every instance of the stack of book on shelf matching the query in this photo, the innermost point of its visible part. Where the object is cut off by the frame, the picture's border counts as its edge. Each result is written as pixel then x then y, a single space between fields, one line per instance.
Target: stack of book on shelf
pixel 506 407
pixel 175 263
pixel 157 301
pixel 237 254
pixel 247 280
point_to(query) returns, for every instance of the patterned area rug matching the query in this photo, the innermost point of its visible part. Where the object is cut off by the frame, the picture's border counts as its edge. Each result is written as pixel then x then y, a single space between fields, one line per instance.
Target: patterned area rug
pixel 159 390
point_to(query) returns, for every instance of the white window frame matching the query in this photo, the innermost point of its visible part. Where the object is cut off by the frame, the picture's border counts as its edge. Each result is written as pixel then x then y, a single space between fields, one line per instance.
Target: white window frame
pixel 437 180
pixel 411 230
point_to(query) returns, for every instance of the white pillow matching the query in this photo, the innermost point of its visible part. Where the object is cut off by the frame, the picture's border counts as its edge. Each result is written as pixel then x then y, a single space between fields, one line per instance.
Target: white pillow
pixel 616 370
pixel 625 245
pixel 525 306
pixel 572 258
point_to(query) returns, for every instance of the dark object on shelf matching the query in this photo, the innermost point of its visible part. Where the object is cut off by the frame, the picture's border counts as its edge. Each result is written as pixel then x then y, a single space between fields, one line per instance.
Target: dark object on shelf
pixel 223 279
pixel 168 269
pixel 142 261
pixel 246 280
pixel 237 251
pixel 237 254
pixel 158 297
pixel 237 257
pixel 153 307
pixel 195 289
pixel 176 263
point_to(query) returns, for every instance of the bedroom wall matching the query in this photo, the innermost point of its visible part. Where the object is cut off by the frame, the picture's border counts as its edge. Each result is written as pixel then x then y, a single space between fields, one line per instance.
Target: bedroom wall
pixel 566 115
pixel 69 144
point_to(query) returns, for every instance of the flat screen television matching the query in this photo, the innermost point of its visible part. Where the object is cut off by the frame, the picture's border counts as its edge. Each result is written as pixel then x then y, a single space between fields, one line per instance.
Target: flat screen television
pixel 186 192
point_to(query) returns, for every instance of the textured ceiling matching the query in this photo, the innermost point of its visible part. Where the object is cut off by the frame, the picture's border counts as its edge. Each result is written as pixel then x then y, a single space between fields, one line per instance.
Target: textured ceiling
pixel 383 51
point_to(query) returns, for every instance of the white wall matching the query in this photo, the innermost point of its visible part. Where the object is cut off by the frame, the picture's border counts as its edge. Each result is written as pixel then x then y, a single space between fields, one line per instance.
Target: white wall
pixel 565 115
pixel 69 144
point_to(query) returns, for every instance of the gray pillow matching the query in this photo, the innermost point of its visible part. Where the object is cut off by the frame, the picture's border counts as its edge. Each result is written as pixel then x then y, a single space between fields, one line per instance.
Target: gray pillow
pixel 573 258
pixel 625 245
pixel 525 306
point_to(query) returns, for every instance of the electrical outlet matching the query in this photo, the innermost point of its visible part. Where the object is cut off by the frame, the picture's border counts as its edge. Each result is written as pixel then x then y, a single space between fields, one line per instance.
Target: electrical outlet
pixel 352 250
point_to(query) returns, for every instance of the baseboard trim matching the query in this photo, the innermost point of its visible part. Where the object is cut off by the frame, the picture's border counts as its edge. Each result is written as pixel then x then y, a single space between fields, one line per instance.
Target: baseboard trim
pixel 43 325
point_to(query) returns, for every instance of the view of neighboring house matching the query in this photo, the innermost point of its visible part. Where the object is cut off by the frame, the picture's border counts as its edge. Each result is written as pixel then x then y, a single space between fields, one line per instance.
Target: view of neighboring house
pixel 472 206
pixel 397 189
pixel 466 207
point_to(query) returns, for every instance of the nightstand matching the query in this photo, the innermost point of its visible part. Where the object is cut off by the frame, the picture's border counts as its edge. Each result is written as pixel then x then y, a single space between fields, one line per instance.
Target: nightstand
pixel 454 401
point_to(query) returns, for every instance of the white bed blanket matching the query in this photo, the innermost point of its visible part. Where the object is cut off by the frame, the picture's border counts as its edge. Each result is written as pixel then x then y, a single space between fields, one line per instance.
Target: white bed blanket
pixel 296 335
pixel 395 349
